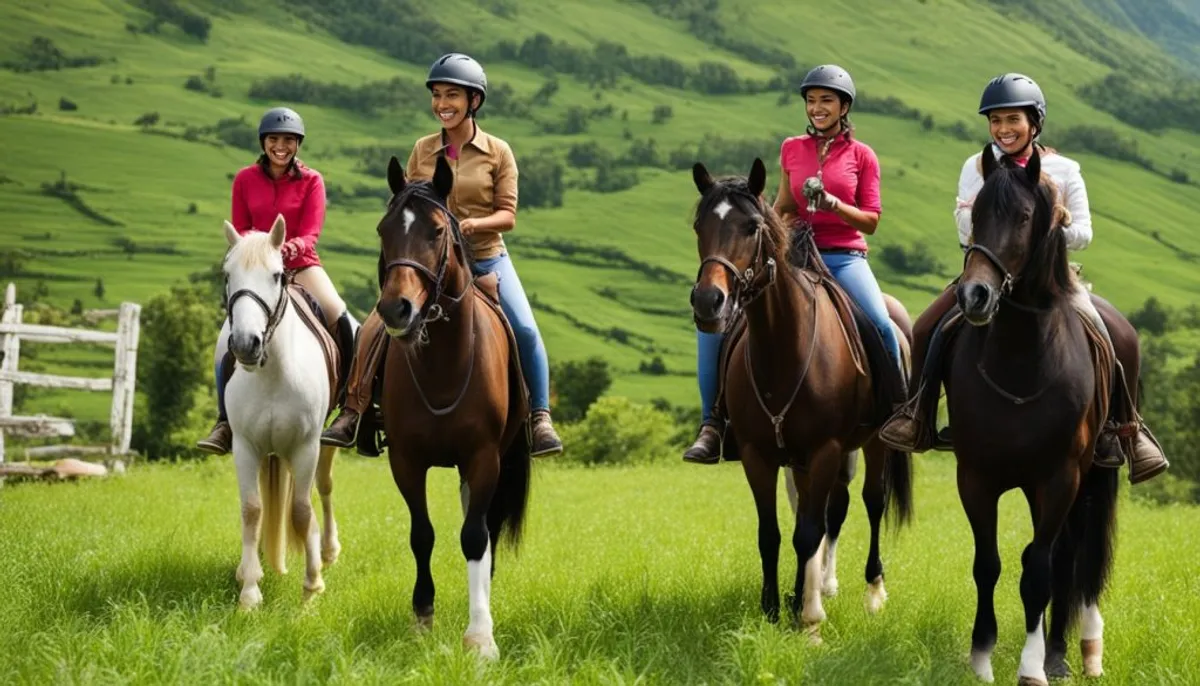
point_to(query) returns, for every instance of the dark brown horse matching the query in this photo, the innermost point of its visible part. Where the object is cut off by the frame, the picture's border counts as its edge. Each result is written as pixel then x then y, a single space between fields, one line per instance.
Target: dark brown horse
pixel 795 394
pixel 452 393
pixel 1027 402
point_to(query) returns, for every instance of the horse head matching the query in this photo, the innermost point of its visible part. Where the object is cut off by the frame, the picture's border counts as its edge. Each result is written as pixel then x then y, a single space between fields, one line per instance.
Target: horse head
pixel 1017 251
pixel 418 236
pixel 733 229
pixel 256 295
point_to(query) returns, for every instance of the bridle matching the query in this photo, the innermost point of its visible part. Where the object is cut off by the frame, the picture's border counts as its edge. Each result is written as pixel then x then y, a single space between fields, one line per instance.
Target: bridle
pixel 756 278
pixel 274 314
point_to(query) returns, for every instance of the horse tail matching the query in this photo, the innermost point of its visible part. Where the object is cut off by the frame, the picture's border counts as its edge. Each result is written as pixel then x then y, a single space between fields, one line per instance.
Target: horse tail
pixel 898 484
pixel 276 485
pixel 1098 499
pixel 506 515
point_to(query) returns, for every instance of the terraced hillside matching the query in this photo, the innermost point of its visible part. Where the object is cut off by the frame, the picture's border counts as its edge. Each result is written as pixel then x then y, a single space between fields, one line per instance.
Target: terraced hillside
pixel 124 122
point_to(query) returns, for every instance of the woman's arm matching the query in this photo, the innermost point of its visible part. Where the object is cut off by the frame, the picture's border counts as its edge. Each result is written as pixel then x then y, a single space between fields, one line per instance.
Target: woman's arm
pixel 504 197
pixel 312 219
pixel 785 203
pixel 864 216
pixel 1079 232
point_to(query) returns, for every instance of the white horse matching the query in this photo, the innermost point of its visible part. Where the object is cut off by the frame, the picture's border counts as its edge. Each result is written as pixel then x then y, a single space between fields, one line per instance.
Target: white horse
pixel 277 402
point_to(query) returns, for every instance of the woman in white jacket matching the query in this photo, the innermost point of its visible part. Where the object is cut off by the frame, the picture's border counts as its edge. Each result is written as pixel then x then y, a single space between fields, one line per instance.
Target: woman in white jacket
pixel 1016 113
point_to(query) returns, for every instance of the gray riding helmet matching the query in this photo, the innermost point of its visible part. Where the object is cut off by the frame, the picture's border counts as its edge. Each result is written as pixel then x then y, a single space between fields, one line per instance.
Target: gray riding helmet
pixel 829 76
pixel 1014 90
pixel 460 70
pixel 280 120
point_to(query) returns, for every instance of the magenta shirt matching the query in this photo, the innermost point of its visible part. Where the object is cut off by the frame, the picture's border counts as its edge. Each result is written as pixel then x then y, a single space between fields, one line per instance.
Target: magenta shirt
pixel 851 174
pixel 258 199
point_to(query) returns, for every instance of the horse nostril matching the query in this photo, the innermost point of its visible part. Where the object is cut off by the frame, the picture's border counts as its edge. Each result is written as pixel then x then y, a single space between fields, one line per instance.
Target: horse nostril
pixel 404 310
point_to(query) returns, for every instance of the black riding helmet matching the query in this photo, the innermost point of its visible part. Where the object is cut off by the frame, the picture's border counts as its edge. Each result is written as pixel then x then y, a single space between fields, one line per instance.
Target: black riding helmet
pixel 1015 90
pixel 460 70
pixel 280 120
pixel 829 76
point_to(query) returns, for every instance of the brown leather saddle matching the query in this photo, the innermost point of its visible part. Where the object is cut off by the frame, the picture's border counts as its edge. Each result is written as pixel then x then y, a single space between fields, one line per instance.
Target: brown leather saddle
pixel 325 331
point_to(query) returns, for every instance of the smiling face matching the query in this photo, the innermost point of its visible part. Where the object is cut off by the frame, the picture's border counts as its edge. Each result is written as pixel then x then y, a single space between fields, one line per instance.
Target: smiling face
pixel 451 104
pixel 1011 129
pixel 280 148
pixel 825 109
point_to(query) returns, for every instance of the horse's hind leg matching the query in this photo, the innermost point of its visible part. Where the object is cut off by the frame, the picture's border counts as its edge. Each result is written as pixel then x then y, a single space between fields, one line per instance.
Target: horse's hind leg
pixel 249 571
pixel 330 546
pixel 824 467
pixel 763 478
pixel 1054 500
pixel 410 480
pixel 835 517
pixel 979 502
pixel 1063 603
pixel 875 499
pixel 481 476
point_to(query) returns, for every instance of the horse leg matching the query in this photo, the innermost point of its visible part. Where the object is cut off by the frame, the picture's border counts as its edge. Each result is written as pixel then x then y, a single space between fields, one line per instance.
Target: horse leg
pixel 304 520
pixel 980 504
pixel 410 479
pixel 874 497
pixel 480 486
pixel 806 539
pixel 1053 503
pixel 1063 601
pixel 249 571
pixel 835 517
pixel 1091 640
pixel 330 547
pixel 763 477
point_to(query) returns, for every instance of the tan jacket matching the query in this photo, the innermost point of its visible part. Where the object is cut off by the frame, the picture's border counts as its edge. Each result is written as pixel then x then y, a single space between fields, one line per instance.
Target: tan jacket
pixel 485 181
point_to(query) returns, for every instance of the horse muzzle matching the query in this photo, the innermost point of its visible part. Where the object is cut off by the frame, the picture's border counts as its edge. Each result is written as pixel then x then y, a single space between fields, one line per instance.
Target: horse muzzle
pixel 401 316
pixel 708 307
pixel 978 301
pixel 248 349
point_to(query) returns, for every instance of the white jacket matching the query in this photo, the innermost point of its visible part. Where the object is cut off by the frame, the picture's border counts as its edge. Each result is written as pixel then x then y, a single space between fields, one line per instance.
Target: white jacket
pixel 1071 189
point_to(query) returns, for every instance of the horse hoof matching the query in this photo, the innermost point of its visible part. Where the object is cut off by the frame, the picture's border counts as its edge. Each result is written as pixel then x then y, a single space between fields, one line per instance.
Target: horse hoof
pixel 250 599
pixel 330 554
pixel 425 623
pixel 1056 666
pixel 482 645
pixel 830 589
pixel 876 596
pixel 1031 681
pixel 1093 655
pixel 813 631
pixel 981 664
pixel 316 590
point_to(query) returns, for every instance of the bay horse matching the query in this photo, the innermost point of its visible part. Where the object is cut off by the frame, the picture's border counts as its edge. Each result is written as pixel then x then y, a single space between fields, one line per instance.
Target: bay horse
pixel 277 408
pixel 1027 400
pixel 795 359
pixel 453 395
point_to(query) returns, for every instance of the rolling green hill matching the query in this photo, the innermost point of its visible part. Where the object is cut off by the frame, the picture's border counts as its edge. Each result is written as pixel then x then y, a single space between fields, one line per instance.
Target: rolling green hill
pixel 124 122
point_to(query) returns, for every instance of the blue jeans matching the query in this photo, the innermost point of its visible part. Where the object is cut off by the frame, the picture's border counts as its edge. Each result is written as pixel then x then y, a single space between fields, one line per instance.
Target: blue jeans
pixel 529 340
pixel 855 277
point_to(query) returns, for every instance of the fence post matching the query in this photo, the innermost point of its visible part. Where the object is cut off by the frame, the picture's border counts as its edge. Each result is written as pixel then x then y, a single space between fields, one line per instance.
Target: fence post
pixel 11 351
pixel 124 378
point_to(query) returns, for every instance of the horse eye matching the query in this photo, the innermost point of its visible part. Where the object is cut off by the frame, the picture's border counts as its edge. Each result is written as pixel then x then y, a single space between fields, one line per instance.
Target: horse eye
pixel 278 277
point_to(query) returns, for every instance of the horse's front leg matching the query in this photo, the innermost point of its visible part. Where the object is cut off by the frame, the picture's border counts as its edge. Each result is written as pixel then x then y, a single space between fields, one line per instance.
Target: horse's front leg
pixel 330 546
pixel 304 520
pixel 824 467
pixel 979 502
pixel 874 497
pixel 835 517
pixel 764 478
pixel 481 475
pixel 410 480
pixel 249 571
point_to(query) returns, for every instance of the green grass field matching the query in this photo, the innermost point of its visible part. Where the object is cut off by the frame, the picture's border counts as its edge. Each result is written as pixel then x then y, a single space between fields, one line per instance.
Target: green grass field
pixel 636 575
pixel 932 55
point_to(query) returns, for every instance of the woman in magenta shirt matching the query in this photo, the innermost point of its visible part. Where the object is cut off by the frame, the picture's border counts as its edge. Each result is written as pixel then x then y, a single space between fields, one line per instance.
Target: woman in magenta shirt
pixel 279 183
pixel 848 208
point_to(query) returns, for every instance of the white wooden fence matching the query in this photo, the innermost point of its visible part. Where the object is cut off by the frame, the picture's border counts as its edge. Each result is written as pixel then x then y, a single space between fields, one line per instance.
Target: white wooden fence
pixel 125 342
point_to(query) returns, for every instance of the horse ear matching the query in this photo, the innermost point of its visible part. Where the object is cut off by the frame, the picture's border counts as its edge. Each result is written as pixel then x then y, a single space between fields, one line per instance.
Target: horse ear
pixel 231 233
pixel 989 161
pixel 278 232
pixel 1033 168
pixel 704 181
pixel 758 177
pixel 395 175
pixel 443 178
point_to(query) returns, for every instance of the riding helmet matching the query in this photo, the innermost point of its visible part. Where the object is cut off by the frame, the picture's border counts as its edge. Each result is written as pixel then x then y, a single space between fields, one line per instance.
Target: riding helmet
pixel 1014 90
pixel 460 70
pixel 280 120
pixel 829 76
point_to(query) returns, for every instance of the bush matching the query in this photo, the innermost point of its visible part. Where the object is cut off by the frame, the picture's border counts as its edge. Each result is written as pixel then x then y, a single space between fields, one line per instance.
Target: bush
pixel 619 432
pixel 66 105
pixel 541 180
pixel 662 114
pixel 575 385
pixel 1152 318
pixel 914 261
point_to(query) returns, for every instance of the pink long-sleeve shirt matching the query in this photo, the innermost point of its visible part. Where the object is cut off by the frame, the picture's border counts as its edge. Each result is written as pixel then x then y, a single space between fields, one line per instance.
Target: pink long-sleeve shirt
pixel 258 199
pixel 851 174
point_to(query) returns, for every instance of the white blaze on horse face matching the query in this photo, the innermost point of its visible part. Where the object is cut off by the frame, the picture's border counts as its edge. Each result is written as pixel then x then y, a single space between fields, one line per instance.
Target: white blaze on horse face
pixel 722 209
pixel 409 219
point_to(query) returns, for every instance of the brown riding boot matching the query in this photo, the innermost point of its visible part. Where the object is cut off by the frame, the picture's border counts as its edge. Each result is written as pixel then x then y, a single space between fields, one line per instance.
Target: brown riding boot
pixel 707 448
pixel 904 430
pixel 545 438
pixel 1147 459
pixel 220 439
pixel 370 344
pixel 343 431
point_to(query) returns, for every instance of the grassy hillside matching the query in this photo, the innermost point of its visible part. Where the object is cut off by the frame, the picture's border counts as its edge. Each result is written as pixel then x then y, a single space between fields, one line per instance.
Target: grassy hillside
pixel 87 193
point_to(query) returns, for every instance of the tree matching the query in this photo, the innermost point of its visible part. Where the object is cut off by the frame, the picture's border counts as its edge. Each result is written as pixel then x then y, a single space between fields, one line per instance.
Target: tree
pixel 99 289
pixel 577 384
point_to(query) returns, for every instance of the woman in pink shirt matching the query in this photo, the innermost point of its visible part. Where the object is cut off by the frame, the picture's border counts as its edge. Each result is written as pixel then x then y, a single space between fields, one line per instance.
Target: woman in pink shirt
pixel 279 183
pixel 845 210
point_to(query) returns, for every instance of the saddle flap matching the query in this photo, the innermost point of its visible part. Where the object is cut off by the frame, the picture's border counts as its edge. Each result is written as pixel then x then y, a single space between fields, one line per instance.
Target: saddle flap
pixel 489 285
pixel 310 314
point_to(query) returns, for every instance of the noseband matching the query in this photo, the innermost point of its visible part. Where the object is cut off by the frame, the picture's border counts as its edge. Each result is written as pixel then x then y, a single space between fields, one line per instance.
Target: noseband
pixel 747 287
pixel 274 314
pixel 433 310
pixel 1006 285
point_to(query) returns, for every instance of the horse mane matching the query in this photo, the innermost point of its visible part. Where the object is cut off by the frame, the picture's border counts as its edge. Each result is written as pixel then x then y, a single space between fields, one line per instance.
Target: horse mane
pixel 1047 271
pixel 736 190
pixel 423 189
pixel 254 251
